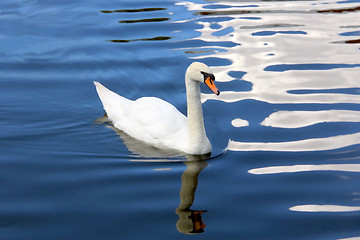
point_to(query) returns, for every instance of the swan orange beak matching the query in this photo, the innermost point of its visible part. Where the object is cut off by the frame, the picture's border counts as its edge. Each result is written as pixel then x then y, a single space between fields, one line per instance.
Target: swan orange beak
pixel 210 83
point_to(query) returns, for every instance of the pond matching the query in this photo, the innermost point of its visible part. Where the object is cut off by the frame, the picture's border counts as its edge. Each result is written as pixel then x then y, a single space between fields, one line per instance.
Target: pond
pixel 285 129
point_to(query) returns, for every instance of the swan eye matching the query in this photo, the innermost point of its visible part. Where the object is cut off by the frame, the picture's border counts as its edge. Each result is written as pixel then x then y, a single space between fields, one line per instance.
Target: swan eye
pixel 208 75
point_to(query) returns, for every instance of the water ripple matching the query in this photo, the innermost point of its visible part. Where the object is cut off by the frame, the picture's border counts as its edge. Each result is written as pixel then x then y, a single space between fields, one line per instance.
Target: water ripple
pixel 288 72
pixel 160 38
pixel 133 10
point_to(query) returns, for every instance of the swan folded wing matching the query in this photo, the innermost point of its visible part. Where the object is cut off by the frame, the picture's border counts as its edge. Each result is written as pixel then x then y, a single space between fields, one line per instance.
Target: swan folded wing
pixel 157 122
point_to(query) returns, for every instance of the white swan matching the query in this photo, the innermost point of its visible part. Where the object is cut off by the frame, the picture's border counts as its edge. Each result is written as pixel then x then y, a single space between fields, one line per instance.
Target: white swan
pixel 158 123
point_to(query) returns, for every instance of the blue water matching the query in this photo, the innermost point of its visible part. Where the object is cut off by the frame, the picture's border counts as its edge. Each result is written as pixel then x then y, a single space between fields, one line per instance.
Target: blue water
pixel 285 128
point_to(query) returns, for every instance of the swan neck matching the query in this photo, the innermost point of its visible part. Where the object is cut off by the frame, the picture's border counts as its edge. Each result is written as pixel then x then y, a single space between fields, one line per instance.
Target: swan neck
pixel 197 134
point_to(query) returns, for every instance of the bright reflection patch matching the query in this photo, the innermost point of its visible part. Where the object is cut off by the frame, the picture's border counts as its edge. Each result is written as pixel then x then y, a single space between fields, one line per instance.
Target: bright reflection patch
pixel 324 208
pixel 313 144
pixel 237 122
pixel 297 119
pixel 352 238
pixel 162 169
pixel 306 168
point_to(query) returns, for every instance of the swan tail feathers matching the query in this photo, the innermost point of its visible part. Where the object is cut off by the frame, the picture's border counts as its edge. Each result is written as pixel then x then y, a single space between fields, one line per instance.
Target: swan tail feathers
pixel 108 98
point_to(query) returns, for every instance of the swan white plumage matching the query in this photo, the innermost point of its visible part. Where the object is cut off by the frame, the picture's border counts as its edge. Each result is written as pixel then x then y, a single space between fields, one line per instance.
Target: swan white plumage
pixel 157 122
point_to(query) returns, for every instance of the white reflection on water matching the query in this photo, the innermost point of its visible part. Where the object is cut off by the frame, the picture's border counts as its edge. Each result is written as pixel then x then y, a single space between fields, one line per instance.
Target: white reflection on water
pixel 297 119
pixel 312 144
pixel 293 53
pixel 237 122
pixel 254 54
pixel 274 87
pixel 324 208
pixel 306 168
pixel 352 238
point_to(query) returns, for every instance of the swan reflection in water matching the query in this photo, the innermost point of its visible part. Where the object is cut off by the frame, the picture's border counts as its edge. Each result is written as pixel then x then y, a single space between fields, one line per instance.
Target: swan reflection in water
pixel 190 221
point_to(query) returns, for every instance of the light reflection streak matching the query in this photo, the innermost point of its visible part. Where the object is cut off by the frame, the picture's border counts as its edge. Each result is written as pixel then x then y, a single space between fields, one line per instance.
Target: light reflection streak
pixel 312 144
pixel 275 97
pixel 351 238
pixel 324 208
pixel 306 168
pixel 297 119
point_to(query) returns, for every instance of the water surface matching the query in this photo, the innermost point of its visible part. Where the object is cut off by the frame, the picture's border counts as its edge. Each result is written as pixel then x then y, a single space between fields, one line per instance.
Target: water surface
pixel 285 128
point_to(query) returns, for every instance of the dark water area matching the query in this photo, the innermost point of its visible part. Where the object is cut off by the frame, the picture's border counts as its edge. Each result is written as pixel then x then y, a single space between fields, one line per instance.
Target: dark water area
pixel 285 128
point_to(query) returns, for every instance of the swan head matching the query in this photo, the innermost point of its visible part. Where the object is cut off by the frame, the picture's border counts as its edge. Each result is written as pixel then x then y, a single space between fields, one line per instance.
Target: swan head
pixel 200 72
